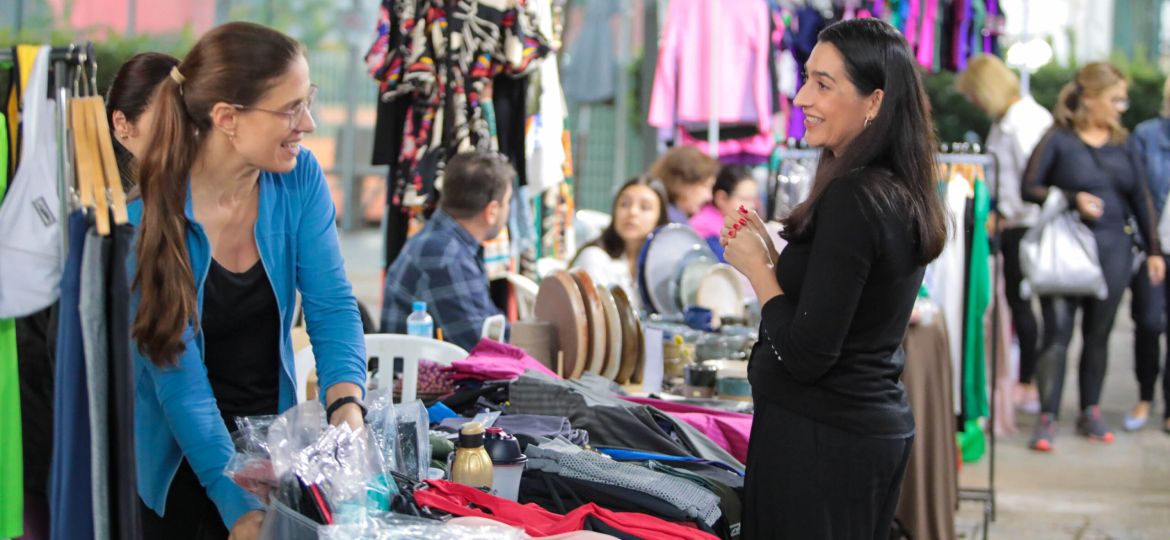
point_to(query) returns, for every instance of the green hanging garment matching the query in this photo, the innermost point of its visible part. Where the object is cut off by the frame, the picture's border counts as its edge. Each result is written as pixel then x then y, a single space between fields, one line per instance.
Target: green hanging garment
pixel 11 455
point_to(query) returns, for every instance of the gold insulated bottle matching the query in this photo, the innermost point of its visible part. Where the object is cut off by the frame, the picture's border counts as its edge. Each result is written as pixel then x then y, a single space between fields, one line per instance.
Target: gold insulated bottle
pixel 472 465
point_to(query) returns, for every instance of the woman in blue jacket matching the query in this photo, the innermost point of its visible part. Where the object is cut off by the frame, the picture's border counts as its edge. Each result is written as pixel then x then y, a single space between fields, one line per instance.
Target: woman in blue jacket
pixel 234 219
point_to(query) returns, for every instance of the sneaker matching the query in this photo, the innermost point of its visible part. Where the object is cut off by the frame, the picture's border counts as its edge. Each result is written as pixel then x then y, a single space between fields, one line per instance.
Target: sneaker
pixel 1043 433
pixel 1137 418
pixel 1091 425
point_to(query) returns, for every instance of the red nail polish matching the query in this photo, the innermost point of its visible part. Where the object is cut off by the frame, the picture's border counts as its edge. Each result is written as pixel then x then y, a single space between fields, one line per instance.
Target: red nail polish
pixel 736 226
pixel 743 210
pixel 731 233
pixel 742 221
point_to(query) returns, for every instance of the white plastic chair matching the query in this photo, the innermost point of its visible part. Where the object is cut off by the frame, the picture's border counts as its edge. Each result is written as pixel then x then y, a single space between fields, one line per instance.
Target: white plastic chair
pixel 525 290
pixel 589 224
pixel 411 349
pixel 386 347
pixel 548 265
pixel 494 328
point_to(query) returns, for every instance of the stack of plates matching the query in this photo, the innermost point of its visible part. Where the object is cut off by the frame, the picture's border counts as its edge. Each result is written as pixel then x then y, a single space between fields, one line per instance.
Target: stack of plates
pixel 560 303
pixel 662 261
pixel 596 328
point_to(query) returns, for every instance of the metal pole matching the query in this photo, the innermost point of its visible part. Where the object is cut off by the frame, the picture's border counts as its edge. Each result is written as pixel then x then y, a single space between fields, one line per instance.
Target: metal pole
pixel 649 65
pixel 349 180
pixel 1025 70
pixel 622 103
pixel 712 79
pixel 131 18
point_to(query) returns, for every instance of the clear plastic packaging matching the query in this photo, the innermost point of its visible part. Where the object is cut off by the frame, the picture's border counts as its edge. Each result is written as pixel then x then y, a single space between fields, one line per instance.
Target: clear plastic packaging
pixel 382 422
pixel 414 442
pixel 399 527
pixel 251 465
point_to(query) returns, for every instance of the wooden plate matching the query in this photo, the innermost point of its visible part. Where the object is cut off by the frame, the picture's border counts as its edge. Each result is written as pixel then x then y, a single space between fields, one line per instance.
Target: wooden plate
pixel 598 347
pixel 613 325
pixel 559 302
pixel 629 322
pixel 640 361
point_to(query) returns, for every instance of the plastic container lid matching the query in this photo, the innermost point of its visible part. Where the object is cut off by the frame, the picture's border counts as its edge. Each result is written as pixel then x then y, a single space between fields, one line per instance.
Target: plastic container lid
pixel 504 449
pixel 419 306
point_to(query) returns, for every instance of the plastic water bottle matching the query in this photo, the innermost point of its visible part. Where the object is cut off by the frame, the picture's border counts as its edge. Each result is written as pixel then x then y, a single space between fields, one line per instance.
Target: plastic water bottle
pixel 419 323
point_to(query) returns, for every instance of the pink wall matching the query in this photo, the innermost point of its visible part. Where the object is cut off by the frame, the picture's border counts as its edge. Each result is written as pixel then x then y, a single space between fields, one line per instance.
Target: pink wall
pixel 153 16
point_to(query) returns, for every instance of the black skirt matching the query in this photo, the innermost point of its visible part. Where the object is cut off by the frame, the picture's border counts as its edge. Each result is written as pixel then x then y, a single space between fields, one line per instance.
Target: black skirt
pixel 806 479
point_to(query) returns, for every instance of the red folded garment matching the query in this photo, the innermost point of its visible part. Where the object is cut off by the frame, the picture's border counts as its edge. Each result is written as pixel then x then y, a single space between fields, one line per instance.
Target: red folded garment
pixel 461 500
pixel 494 361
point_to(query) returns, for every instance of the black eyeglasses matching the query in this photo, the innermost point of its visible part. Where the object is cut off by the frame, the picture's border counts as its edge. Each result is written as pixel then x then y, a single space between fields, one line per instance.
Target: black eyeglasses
pixel 294 115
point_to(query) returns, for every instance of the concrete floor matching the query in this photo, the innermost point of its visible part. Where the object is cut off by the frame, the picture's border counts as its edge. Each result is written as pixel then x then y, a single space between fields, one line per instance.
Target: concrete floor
pixel 1082 490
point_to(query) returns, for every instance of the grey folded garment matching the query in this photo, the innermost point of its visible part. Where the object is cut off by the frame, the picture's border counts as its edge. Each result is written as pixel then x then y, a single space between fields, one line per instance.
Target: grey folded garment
pixel 532 425
pixel 560 458
pixel 610 420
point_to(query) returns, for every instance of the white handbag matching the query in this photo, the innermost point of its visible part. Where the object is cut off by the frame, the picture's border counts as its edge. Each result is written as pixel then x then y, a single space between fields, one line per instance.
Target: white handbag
pixel 1059 254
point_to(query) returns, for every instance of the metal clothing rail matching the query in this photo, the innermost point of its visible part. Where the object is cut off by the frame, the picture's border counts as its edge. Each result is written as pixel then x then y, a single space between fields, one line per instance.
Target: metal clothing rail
pixel 967 154
pixel 67 63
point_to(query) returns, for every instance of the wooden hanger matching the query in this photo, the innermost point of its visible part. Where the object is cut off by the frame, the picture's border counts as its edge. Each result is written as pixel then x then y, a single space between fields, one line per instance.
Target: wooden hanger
pixel 111 176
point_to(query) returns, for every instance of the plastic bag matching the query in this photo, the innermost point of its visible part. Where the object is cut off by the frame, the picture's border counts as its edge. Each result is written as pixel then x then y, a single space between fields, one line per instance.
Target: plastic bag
pixel 399 527
pixel 251 465
pixel 414 441
pixel 342 463
pixel 382 422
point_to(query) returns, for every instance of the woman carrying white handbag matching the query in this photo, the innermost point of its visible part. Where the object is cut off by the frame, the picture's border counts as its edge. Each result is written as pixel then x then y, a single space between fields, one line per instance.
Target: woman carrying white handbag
pixel 1087 156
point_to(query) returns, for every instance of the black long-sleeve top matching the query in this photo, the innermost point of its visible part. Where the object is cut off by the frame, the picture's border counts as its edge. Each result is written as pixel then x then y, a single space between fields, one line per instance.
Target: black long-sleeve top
pixel 830 346
pixel 1114 172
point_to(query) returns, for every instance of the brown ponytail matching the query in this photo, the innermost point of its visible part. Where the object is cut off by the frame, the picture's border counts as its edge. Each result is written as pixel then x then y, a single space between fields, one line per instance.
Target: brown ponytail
pixel 1090 81
pixel 233 63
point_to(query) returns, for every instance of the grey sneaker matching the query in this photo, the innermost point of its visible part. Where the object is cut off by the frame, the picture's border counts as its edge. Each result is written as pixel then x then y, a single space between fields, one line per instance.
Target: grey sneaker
pixel 1091 425
pixel 1043 433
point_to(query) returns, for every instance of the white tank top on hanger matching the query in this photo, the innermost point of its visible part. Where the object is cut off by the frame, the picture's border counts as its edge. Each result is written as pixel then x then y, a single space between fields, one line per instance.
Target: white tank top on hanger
pixel 30 221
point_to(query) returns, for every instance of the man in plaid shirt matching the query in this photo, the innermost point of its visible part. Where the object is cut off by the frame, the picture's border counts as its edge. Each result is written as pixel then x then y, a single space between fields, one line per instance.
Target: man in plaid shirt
pixel 443 264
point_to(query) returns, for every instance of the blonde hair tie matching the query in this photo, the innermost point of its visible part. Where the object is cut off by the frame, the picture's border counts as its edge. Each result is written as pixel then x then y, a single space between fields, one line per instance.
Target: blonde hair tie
pixel 177 76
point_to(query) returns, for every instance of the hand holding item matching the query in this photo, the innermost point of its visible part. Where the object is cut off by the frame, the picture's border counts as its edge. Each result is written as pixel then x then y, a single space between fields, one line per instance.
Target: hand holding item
pixel 1090 206
pixel 248 526
pixel 1157 267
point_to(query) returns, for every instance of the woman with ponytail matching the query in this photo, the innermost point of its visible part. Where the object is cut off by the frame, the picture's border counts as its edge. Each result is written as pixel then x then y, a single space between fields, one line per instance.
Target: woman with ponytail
pixel 1088 157
pixel 234 219
pixel 129 110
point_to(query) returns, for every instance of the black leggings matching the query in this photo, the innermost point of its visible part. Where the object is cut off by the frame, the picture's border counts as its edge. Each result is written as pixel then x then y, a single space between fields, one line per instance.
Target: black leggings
pixel 1149 306
pixel 189 515
pixel 1097 322
pixel 1023 316
pixel 806 479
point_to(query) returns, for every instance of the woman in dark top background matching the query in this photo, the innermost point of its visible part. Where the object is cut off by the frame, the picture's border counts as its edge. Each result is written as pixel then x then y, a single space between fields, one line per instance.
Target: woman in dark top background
pixel 833 429
pixel 1087 156
pixel 129 109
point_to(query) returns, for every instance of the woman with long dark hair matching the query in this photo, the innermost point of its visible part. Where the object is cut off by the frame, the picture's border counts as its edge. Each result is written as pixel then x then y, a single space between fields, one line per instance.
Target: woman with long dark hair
pixel 833 429
pixel 234 220
pixel 1089 158
pixel 611 260
pixel 128 107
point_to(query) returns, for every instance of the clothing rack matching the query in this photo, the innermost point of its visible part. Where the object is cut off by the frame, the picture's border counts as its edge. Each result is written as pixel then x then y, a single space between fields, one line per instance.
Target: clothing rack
pixel 66 60
pixel 971 154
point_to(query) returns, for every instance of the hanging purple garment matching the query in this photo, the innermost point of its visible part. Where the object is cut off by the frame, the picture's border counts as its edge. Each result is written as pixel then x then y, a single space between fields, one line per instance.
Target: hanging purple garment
pixel 992 26
pixel 962 36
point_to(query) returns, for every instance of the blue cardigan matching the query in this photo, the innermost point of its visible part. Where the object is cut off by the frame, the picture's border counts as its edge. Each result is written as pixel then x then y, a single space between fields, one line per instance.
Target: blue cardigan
pixel 175 412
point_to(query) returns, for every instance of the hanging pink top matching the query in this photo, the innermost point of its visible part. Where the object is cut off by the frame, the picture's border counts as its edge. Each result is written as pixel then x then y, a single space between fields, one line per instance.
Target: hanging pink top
pixel 682 80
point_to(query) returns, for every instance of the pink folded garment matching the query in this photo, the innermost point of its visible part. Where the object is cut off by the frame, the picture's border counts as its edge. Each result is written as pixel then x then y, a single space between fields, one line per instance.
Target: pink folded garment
pixel 729 430
pixel 494 361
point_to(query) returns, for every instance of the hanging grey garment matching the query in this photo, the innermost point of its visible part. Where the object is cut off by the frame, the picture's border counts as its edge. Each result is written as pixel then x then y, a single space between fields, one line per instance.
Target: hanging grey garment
pixel 562 458
pixel 590 67
pixel 612 421
pixel 95 343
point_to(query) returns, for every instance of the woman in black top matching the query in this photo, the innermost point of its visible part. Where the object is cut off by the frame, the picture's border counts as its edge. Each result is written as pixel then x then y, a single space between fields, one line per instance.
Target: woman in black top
pixel 1087 157
pixel 833 429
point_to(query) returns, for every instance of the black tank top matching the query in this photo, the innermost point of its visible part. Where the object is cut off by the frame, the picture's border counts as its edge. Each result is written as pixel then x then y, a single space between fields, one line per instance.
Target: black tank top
pixel 241 333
